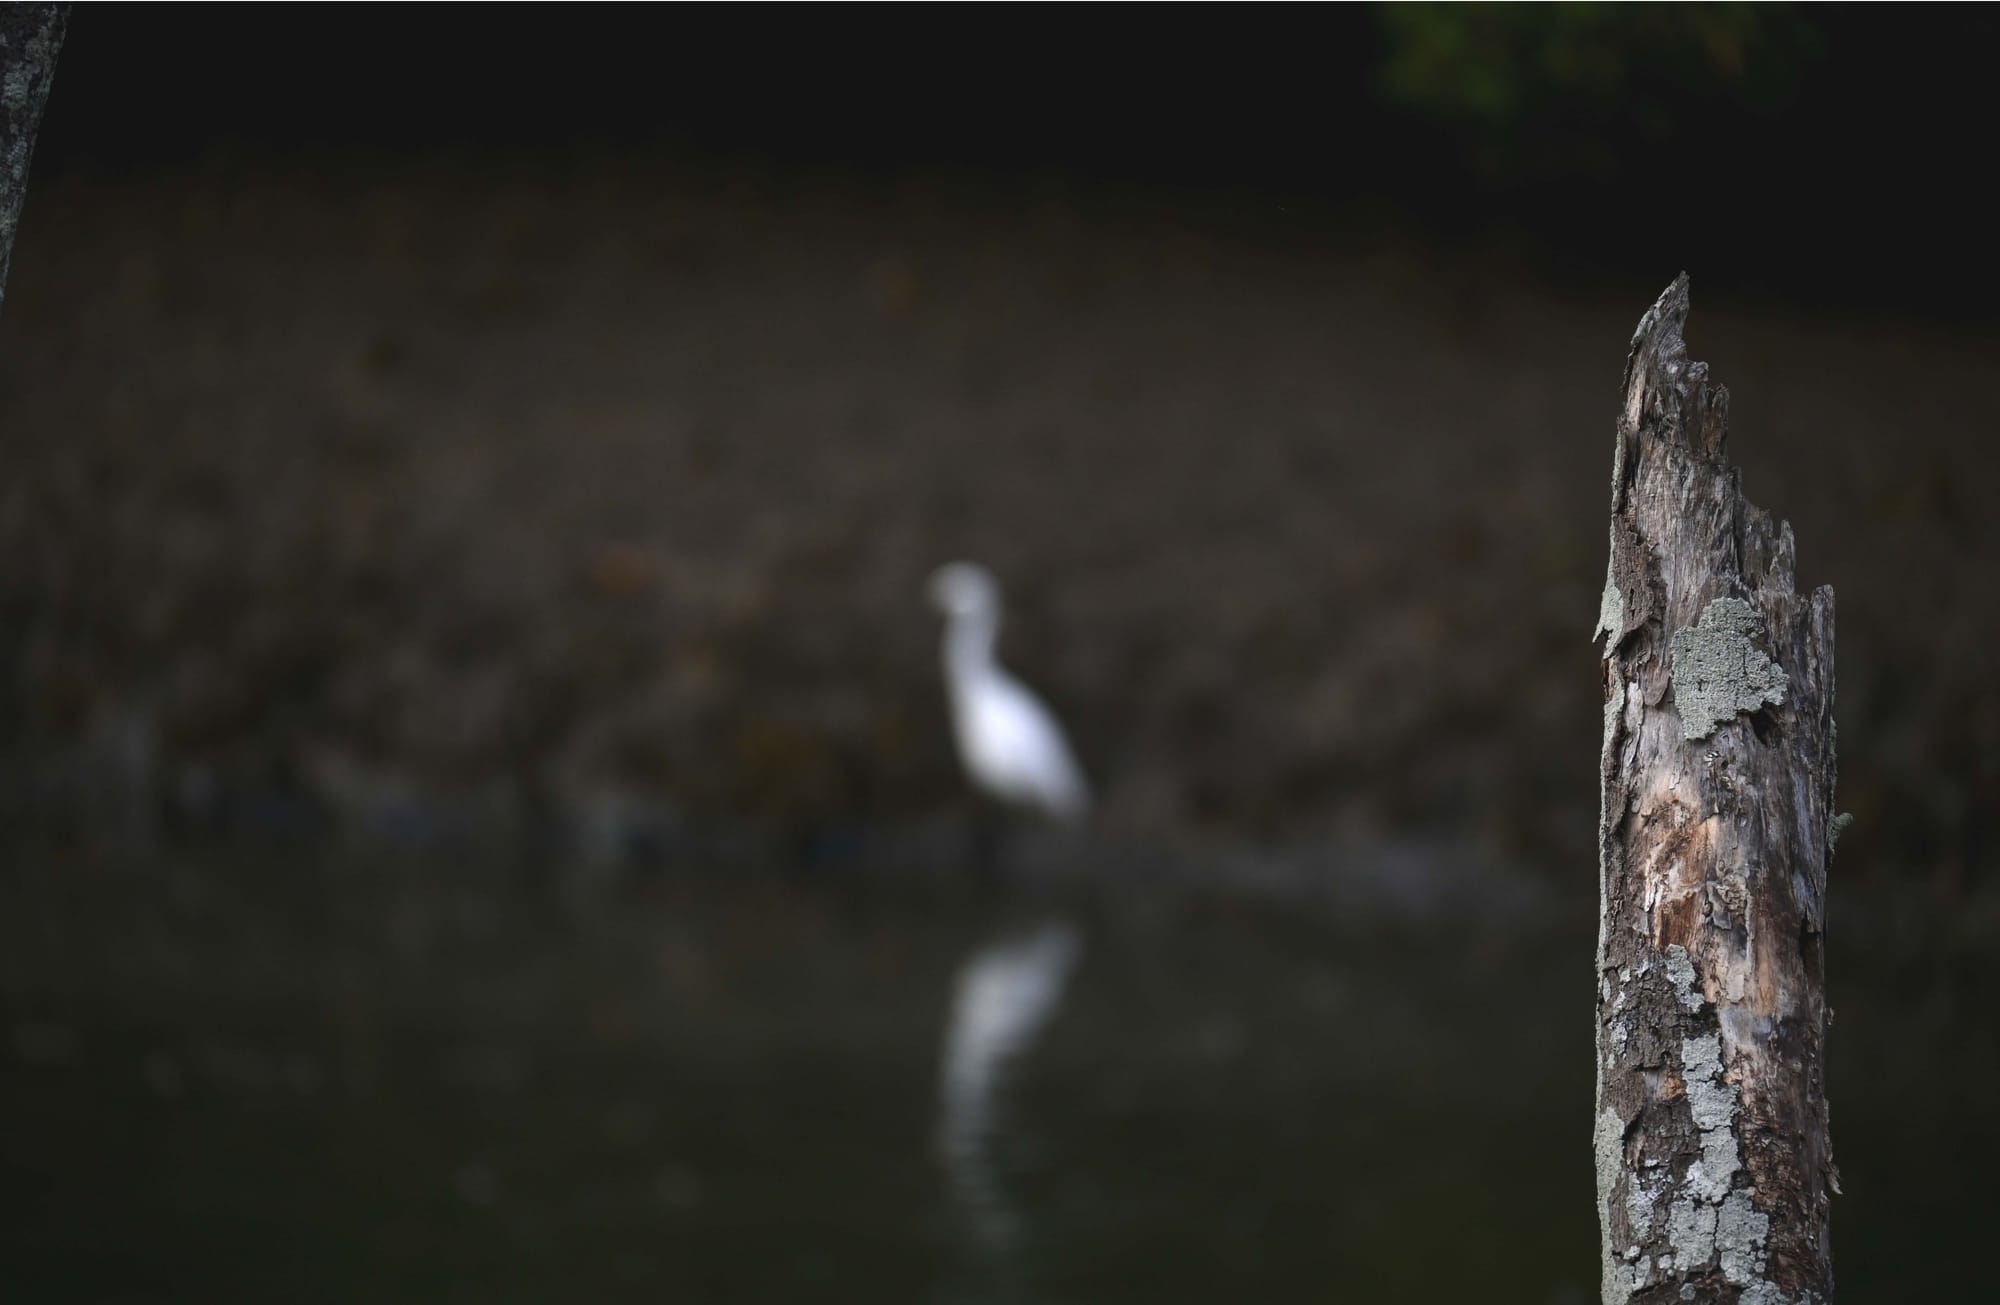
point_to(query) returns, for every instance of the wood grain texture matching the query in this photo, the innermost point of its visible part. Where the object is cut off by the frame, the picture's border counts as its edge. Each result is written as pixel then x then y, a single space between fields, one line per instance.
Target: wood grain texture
pixel 1714 1167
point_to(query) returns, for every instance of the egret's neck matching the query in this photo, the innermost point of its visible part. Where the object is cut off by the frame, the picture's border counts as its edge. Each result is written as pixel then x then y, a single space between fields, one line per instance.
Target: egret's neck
pixel 968 645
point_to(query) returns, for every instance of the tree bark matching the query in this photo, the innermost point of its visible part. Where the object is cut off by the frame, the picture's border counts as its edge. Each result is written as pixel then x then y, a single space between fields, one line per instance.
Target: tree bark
pixel 30 36
pixel 1714 1171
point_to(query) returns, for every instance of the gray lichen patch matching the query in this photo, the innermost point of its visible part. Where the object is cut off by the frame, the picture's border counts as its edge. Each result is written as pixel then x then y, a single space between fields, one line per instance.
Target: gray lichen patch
pixel 1835 828
pixel 1707 1224
pixel 1712 1102
pixel 1610 615
pixel 1713 1221
pixel 1609 1140
pixel 1740 1232
pixel 1641 1201
pixel 1718 672
pixel 1691 1232
pixel 1768 1293
pixel 1680 971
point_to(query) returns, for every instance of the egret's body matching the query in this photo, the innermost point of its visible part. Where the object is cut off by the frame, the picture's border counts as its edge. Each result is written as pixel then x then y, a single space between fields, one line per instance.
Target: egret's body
pixel 1008 740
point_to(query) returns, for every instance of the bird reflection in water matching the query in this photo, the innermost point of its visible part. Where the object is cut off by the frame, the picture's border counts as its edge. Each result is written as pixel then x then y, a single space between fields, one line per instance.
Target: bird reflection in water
pixel 1007 992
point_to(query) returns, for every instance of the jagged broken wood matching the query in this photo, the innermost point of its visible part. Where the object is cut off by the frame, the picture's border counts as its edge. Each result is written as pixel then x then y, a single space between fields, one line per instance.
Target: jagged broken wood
pixel 1714 1171
pixel 30 36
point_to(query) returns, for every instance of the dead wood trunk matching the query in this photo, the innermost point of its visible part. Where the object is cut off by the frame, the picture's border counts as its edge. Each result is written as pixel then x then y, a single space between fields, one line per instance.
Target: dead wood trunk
pixel 1713 1165
pixel 30 35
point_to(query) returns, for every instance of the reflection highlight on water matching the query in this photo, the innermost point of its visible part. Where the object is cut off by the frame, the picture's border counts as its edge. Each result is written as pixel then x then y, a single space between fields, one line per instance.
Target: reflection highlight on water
pixel 1004 995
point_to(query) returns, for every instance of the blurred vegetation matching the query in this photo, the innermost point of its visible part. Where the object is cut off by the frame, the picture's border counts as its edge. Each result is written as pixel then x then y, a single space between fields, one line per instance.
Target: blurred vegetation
pixel 1536 90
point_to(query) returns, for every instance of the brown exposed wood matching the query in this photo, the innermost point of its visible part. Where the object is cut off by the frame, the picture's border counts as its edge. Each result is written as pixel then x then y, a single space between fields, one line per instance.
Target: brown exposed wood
pixel 1714 1169
pixel 30 36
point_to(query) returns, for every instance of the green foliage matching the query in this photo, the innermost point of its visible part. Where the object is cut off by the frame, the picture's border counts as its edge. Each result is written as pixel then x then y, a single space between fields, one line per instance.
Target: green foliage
pixel 1565 87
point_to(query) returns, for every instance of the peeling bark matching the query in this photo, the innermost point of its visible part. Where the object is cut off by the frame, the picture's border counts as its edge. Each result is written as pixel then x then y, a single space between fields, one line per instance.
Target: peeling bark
pixel 1714 1171
pixel 30 36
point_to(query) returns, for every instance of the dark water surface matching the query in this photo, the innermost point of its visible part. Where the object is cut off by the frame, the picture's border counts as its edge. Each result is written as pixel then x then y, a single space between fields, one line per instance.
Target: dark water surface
pixel 271 1075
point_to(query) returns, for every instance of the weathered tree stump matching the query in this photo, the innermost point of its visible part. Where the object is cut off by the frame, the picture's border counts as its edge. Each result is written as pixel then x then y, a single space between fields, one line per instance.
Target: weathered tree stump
pixel 30 36
pixel 1714 1171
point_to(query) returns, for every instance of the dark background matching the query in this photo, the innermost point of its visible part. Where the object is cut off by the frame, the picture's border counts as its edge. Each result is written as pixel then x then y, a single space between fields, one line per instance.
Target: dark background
pixel 476 801
pixel 1831 155
pixel 1318 312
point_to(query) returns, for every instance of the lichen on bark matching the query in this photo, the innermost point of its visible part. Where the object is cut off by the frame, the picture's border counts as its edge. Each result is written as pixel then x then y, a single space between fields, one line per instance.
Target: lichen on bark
pixel 1714 1168
pixel 1718 671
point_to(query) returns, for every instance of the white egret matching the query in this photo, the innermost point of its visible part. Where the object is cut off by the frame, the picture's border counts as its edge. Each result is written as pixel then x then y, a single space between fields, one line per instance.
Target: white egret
pixel 1008 740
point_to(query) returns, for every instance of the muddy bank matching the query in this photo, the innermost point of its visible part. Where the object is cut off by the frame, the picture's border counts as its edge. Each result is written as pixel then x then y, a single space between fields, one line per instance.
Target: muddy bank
pixel 433 497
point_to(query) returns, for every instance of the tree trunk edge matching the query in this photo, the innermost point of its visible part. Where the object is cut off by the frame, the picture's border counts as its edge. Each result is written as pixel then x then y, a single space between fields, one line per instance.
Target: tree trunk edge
pixel 1714 1171
pixel 31 35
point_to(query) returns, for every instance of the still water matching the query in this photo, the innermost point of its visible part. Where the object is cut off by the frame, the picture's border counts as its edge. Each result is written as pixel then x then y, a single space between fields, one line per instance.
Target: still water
pixel 274 1075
